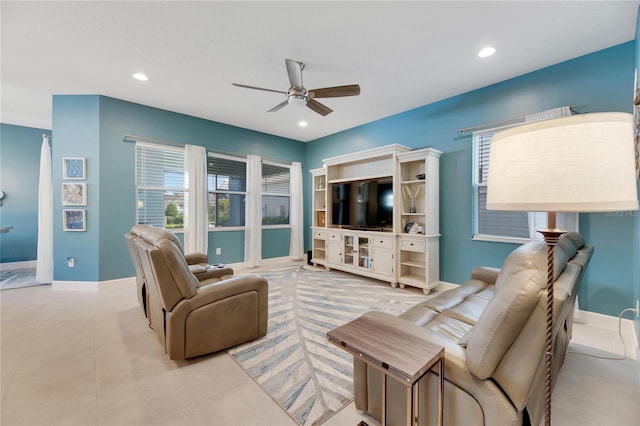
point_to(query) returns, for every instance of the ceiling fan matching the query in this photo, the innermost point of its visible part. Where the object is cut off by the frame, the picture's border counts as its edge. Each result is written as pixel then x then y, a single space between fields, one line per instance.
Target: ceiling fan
pixel 298 94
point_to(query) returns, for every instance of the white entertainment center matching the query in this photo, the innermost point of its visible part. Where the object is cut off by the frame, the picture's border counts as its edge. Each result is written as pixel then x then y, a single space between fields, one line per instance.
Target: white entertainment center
pixel 376 214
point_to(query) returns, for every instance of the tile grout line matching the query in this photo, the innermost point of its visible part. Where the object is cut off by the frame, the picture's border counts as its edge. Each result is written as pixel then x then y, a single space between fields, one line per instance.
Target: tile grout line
pixel 175 369
pixel 15 371
pixel 95 361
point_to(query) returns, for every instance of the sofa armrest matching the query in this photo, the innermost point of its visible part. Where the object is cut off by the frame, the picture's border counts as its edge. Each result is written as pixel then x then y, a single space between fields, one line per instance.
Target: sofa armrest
pixel 217 315
pixel 486 274
pixel 218 290
pixel 494 402
pixel 204 274
pixel 195 258
pixel 456 370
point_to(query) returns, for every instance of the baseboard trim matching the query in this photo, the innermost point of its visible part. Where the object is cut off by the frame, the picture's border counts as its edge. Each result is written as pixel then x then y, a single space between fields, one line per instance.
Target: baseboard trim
pixel 92 285
pixel 611 323
pixel 273 261
pixel 10 266
pixel 606 321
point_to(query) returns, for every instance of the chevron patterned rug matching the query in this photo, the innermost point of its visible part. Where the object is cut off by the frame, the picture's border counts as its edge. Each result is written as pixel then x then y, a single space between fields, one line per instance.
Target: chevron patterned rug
pixel 294 363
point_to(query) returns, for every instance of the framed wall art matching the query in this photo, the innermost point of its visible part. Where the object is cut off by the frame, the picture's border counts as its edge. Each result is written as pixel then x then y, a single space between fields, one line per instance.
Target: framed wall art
pixel 74 168
pixel 74 220
pixel 74 194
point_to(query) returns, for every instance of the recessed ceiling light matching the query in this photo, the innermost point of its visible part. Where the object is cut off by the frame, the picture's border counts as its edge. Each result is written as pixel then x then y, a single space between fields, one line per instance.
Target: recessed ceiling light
pixel 487 51
pixel 140 76
pixel 303 124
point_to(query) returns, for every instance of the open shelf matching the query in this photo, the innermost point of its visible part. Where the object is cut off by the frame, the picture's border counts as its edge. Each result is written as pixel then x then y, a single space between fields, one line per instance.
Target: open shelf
pixel 413 279
pixel 414 263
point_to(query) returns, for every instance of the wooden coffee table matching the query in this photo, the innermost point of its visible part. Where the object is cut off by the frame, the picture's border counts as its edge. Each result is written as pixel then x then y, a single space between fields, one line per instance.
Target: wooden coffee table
pixel 395 353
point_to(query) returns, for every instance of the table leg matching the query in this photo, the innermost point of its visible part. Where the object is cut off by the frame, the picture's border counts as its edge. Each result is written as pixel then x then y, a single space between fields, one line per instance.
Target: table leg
pixel 384 399
pixel 441 394
pixel 415 390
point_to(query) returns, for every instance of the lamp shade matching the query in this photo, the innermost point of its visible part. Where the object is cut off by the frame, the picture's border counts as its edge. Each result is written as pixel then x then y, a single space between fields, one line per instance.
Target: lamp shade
pixel 582 163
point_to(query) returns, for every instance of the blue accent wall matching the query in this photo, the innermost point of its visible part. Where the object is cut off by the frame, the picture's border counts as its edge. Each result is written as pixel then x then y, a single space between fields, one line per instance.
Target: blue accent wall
pixel 19 179
pixel 93 127
pixel 96 125
pixel 231 244
pixel 601 81
pixel 276 242
pixel 76 124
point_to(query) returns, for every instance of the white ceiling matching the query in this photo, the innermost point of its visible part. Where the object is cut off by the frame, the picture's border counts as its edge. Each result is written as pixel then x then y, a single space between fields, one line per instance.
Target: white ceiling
pixel 403 54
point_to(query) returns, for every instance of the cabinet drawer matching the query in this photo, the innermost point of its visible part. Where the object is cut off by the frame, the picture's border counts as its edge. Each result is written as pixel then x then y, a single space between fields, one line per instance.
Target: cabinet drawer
pixel 411 244
pixel 319 235
pixel 383 242
pixel 333 236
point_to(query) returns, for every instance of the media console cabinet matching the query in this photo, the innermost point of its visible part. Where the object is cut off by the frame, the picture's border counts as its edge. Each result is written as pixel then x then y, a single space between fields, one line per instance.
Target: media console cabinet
pixel 355 229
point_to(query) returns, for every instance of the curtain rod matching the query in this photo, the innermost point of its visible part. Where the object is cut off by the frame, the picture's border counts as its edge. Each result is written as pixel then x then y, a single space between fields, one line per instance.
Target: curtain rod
pixel 134 138
pixel 496 123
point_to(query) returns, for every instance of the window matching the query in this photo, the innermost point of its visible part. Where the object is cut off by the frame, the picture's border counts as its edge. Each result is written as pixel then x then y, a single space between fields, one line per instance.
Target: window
pixel 227 183
pixel 492 225
pixel 160 186
pixel 276 194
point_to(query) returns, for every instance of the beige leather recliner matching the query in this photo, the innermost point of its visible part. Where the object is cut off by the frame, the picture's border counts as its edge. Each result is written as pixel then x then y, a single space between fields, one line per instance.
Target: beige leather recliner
pixel 493 330
pixel 141 281
pixel 192 317
pixel 198 263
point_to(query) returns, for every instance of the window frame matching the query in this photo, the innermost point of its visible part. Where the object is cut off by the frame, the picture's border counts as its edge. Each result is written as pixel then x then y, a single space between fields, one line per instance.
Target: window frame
pixel 475 185
pixel 275 194
pixel 215 228
pixel 138 187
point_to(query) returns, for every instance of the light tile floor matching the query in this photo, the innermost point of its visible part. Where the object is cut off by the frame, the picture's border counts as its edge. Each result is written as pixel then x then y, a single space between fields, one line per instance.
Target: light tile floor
pixel 89 358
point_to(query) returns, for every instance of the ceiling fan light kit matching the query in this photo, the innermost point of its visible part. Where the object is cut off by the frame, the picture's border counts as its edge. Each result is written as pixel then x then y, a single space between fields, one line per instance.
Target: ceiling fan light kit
pixel 299 95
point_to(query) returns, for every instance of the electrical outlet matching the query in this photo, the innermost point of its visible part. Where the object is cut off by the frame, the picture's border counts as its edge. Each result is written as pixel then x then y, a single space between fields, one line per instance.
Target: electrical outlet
pixel 71 262
pixel 218 250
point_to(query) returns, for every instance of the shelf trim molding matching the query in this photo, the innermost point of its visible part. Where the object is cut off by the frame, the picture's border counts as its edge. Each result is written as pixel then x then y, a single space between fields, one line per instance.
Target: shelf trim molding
pixel 367 154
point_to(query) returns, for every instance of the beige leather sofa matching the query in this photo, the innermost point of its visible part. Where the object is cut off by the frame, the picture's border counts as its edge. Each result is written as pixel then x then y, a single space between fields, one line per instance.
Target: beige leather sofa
pixel 193 317
pixel 493 330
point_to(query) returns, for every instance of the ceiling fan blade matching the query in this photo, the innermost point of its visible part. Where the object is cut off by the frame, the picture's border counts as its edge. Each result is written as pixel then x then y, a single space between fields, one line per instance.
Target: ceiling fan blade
pixel 279 106
pixel 318 107
pixel 258 88
pixel 294 69
pixel 336 91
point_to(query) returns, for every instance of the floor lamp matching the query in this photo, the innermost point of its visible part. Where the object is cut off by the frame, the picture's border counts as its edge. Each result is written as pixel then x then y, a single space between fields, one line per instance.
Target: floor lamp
pixel 582 163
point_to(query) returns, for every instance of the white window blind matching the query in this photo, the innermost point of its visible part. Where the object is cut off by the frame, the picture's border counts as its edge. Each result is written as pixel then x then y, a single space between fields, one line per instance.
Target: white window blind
pixel 227 183
pixel 160 185
pixel 493 225
pixel 276 194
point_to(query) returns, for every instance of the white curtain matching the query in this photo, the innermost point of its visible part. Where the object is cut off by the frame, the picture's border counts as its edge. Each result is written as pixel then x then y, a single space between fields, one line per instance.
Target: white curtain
pixel 253 213
pixel 538 220
pixel 44 263
pixel 196 237
pixel 296 246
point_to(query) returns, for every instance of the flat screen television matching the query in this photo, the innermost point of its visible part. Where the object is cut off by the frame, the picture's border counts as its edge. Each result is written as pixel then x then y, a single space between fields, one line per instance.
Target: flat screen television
pixel 363 205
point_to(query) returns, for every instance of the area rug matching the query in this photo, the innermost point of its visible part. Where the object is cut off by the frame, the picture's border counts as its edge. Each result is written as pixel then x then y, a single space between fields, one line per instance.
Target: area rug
pixel 294 363
pixel 18 278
